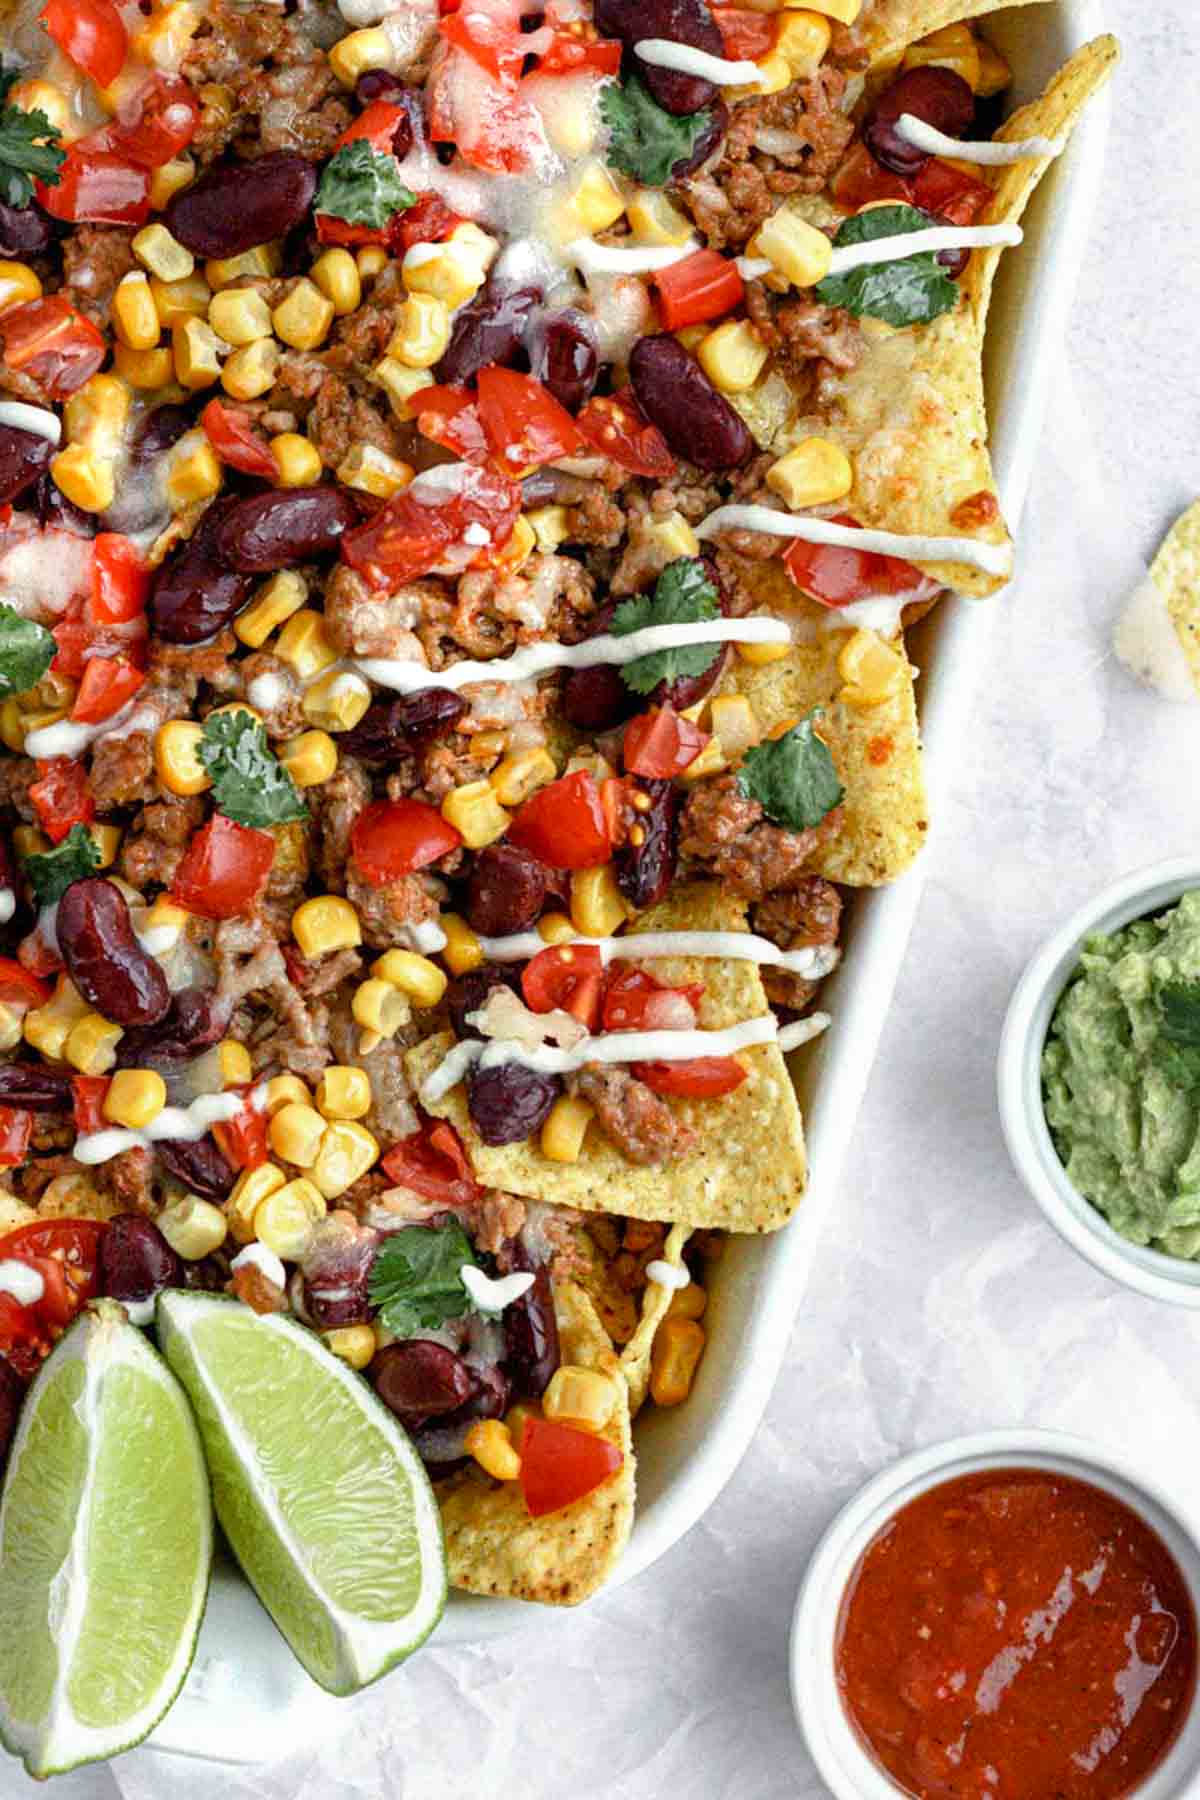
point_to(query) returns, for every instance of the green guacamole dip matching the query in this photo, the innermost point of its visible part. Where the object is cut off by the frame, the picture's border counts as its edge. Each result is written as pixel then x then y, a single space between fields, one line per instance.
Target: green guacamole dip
pixel 1121 1075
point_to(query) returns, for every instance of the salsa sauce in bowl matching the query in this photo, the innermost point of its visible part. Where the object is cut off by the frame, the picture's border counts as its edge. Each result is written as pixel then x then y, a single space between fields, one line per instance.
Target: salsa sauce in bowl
pixel 1017 1633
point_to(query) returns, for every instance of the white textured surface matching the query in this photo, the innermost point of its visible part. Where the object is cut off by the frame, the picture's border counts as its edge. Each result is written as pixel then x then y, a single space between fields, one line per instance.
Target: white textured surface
pixel 940 1302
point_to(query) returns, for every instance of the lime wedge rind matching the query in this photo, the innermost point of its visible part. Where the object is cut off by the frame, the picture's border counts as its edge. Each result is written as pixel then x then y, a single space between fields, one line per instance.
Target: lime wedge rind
pixel 98 1345
pixel 343 1651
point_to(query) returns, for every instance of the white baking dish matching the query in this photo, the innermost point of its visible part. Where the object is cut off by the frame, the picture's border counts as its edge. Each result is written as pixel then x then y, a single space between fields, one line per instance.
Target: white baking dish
pixel 246 1698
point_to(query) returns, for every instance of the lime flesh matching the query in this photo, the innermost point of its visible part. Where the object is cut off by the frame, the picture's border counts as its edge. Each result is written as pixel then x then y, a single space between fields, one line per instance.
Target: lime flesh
pixel 324 1501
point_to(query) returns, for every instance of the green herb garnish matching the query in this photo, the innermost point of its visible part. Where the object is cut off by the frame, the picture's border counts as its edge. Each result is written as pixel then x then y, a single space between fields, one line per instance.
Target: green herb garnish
pixel 29 147
pixel 416 1279
pixel 645 140
pixel 250 786
pixel 362 186
pixel 683 595
pixel 792 777
pixel 910 292
pixel 51 872
pixel 26 652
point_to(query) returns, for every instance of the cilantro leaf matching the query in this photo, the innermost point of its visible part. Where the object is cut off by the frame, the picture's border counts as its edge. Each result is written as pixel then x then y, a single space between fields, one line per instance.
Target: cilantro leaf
pixel 29 146
pixel 415 1280
pixel 792 777
pixel 645 140
pixel 683 595
pixel 363 186
pixel 249 785
pixel 910 292
pixel 1179 1003
pixel 26 652
pixel 51 873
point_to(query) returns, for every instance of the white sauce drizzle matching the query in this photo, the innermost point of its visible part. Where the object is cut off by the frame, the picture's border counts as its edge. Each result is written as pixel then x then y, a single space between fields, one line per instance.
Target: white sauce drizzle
pixel 30 418
pixel 607 259
pixel 668 1275
pixel 663 53
pixel 182 1124
pixel 8 905
pixel 912 243
pixel 993 559
pixel 425 935
pixel 68 738
pixel 813 961
pixel 266 691
pixel 492 1295
pixel 24 1284
pixel 987 155
pixel 751 267
pixel 257 1256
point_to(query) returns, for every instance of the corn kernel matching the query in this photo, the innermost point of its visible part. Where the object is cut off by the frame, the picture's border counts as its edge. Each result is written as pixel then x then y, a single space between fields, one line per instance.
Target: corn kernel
pixel 565 1128
pixel 284 1222
pixel 134 1097
pixel 12 729
pixel 144 369
pixel 733 356
pixel 66 1197
pixel 414 975
pixel 324 924
pixel 734 723
pixel 815 473
pixel 773 76
pixel 233 1060
pixel 380 1008
pixel 303 645
pixel 872 670
pixel 196 351
pixel 135 317
pixel 489 1442
pixel 476 814
pixel 29 841
pixel 595 203
pixel 373 471
pixel 303 318
pixel 107 839
pixel 164 914
pixel 310 758
pixel 711 761
pixel 556 928
pixel 653 219
pixel 354 1344
pixel 953 47
pixel 668 537
pixel 164 39
pixel 295 1133
pixel 240 316
pixel 521 774
pixel 194 1228
pixel 580 1397
pixel 344 1093
pixel 336 274
pixel 337 701
pixel 802 39
pixel 85 478
pixel 359 51
pixel 550 526
pixel 18 283
pixel 462 950
pixel 251 371
pixel 597 904
pixel 91 1045
pixel 247 1195
pixel 758 655
pixel 400 384
pixel 193 471
pixel 456 273
pixel 994 73
pixel 688 1303
pixel 171 179
pixel 282 1090
pixel 296 458
pixel 259 260
pixel 347 1151
pixel 165 257
pixel 676 1351
pixel 97 414
pixel 794 247
pixel 48 1027
pixel 371 261
pixel 422 331
pixel 177 757
pixel 277 600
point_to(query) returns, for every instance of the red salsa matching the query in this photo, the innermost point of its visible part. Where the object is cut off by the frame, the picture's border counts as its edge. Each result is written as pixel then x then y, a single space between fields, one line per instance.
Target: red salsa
pixel 1017 1634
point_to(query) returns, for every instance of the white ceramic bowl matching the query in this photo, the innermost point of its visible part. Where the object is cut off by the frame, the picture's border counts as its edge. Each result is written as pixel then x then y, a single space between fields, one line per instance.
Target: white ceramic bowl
pixel 848 1771
pixel 1139 895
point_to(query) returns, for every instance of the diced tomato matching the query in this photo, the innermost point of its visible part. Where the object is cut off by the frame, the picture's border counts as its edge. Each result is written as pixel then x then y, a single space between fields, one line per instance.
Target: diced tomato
pixel 98 187
pixel 62 796
pixel 35 955
pixel 90 32
pixel 745 34
pixel 80 638
pixel 243 1139
pixel 430 221
pixel 342 232
pixel 835 575
pixel 52 343
pixel 236 442
pixel 392 838
pixel 108 683
pixel 615 425
pixel 703 1078
pixel 18 987
pixel 16 1129
pixel 87 1102
pixel 614 797
pixel 560 1464
pixel 662 743
pixel 450 416
pixel 65 1253
pixel 494 127
pixel 410 536
pixel 635 1001
pixel 860 180
pixel 524 424
pixel 378 124
pixel 490 33
pixel 432 1163
pixel 950 193
pixel 120 579
pixel 224 869
pixel 570 976
pixel 702 286
pixel 564 824
pixel 158 123
pixel 571 55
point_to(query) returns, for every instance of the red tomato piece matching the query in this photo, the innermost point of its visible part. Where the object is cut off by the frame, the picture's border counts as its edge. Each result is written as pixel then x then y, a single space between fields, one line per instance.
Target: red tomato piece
pixel 87 1102
pixel 950 193
pixel 560 1464
pixel 392 838
pixel 65 1253
pixel 433 1164
pixel 236 442
pixel 570 54
pixel 379 124
pixel 16 1129
pixel 108 683
pixel 564 824
pixel 20 988
pixel 491 36
pixel 98 187
pixel 332 230
pixel 409 537
pixel 745 34
pixel 450 416
pixel 90 32
pixel 662 743
pixel 524 424
pixel 120 580
pixel 614 796
pixel 52 343
pixel 156 124
pixel 243 1139
pixel 494 127
pixel 615 425
pixel 703 1078
pixel 861 179
pixel 62 796
pixel 569 976
pixel 702 286
pixel 635 1001
pixel 430 221
pixel 224 869
pixel 834 575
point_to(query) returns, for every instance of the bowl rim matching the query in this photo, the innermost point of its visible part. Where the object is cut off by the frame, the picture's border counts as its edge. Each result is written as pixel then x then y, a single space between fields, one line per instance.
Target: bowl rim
pixel 1140 893
pixel 843 1761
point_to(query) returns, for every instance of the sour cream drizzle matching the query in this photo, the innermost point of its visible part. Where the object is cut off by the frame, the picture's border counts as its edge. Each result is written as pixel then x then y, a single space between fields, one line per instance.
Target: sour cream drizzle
pixel 492 1295
pixel 25 1285
pixel 35 419
pixel 667 1275
pixel 993 559
pixel 181 1124
pixel 68 738
pixel 912 243
pixel 813 961
pixel 664 54
pixel 607 259
pixel 988 155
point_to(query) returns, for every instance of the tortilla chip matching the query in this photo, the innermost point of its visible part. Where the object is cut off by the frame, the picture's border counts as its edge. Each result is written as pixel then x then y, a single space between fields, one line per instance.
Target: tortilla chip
pixel 494 1547
pixel 1175 572
pixel 888 27
pixel 635 1357
pixel 748 1170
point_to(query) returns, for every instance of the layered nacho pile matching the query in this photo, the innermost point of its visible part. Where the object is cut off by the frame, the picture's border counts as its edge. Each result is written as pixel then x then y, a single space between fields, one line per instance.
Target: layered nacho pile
pixel 467 474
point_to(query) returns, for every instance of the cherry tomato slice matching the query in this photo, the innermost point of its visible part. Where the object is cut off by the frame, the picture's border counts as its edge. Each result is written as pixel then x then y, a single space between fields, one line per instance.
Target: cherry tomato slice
pixel 702 286
pixel 409 536
pixel 635 1001
pixel 98 187
pixel 494 127
pixel 662 743
pixel 62 796
pixel 703 1078
pixel 224 869
pixel 16 1129
pixel 615 425
pixel 120 580
pixel 571 55
pixel 18 987
pixel 90 32
pixel 560 1464
pixel 378 124
pixel 835 575
pixel 108 684
pixel 745 35
pixel 950 193
pixel 158 123
pixel 564 824
pixel 52 343
pixel 243 1139
pixel 236 442
pixel 65 1253
pixel 524 424
pixel 432 1163
pixel 430 221
pixel 392 838
pixel 87 1102
pixel 450 416
pixel 570 976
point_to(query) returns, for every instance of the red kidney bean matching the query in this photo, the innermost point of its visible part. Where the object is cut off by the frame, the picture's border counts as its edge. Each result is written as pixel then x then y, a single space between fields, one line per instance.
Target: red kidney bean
pixel 8 867
pixel 676 395
pixel 596 698
pixel 706 142
pixel 685 690
pixel 235 205
pixel 335 1289
pixel 392 729
pixel 104 959
pixel 40 1089
pixel 488 331
pixel 531 1352
pixel 444 1442
pixel 24 457
pixel 55 512
pixel 468 993
pixel 159 430
pixel 24 231
pixel 136 1260
pixel 509 1102
pixel 506 890
pixel 546 485
pixel 953 261
pixel 645 871
pixel 564 357
pixel 194 595
pixel 274 530
pixel 12 1392
pixel 680 21
pixel 196 1021
pixel 198 1164
pixel 938 96
pixel 418 1379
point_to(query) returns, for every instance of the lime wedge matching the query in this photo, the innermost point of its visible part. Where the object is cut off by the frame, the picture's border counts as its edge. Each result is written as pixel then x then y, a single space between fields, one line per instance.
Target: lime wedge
pixel 324 1501
pixel 105 1547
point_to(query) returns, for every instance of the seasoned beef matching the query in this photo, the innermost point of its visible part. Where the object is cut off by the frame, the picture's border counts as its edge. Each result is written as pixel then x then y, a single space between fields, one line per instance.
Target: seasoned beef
pixel 153 850
pixel 633 1116
pixel 386 909
pixel 95 257
pixel 334 807
pixel 808 914
pixel 730 834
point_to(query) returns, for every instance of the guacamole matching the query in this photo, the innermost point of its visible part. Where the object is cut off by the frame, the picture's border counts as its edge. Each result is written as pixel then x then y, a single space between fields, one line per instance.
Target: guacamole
pixel 1121 1075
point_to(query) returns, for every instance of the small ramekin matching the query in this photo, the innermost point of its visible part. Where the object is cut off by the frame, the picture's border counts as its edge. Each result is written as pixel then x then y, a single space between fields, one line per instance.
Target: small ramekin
pixel 845 1765
pixel 1139 895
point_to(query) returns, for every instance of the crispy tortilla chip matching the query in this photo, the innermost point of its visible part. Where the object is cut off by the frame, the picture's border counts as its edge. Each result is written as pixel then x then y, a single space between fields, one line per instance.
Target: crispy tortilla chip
pixel 747 1172
pixel 494 1547
pixel 888 27
pixel 635 1357
pixel 1158 636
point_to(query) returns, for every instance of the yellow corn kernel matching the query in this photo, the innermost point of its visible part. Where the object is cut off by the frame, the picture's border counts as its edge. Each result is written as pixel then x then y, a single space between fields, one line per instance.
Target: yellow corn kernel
pixel 456 271
pixel 48 1027
pixel 794 247
pixel 565 1129
pixel 994 73
pixel 844 11
pixel 400 384
pixel 285 1221
pixel 259 260
pixel 556 928
pixel 144 369
pixel 134 1097
pixel 303 318
pixel 422 331
pixel 165 914
pixel 87 479
pixel 194 1228
pixel 276 601
pixel 344 1093
pixel 248 1193
pixel 359 51
pixel 337 701
pixel 953 47
pixel 303 645
pixel 354 1344
pixel 295 1133
pixel 233 1060
pixel 282 1090
pixel 872 670
pixel 11 1018
pixel 12 731
pixel 692 336
pixel 757 655
pixel 310 758
pixel 733 356
pixel 597 905
pixel 380 1008
pixel 324 924
pixel 734 723
pixel 45 97
pixel 135 317
pixel 521 774
pixel 171 179
pixel 296 458
pixel 18 283
pixel 802 38
pixel 711 761
pixel 489 1442
pixel 677 1349
pixel 240 316
pixel 177 757
pixel 550 526
pixel 371 261
pixel 580 1397
pixel 595 203
pixel 177 302
pixel 815 473
pixel 653 219
pixel 347 1151
pixel 193 471
pixel 689 1302
pixel 97 414
pixel 475 812
pixel 336 274
pixel 170 262
pixel 91 1045
pixel 462 950
pixel 107 839
pixel 252 371
pixel 373 471
pixel 196 352
pixel 164 39
pixel 29 841
pixel 414 975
